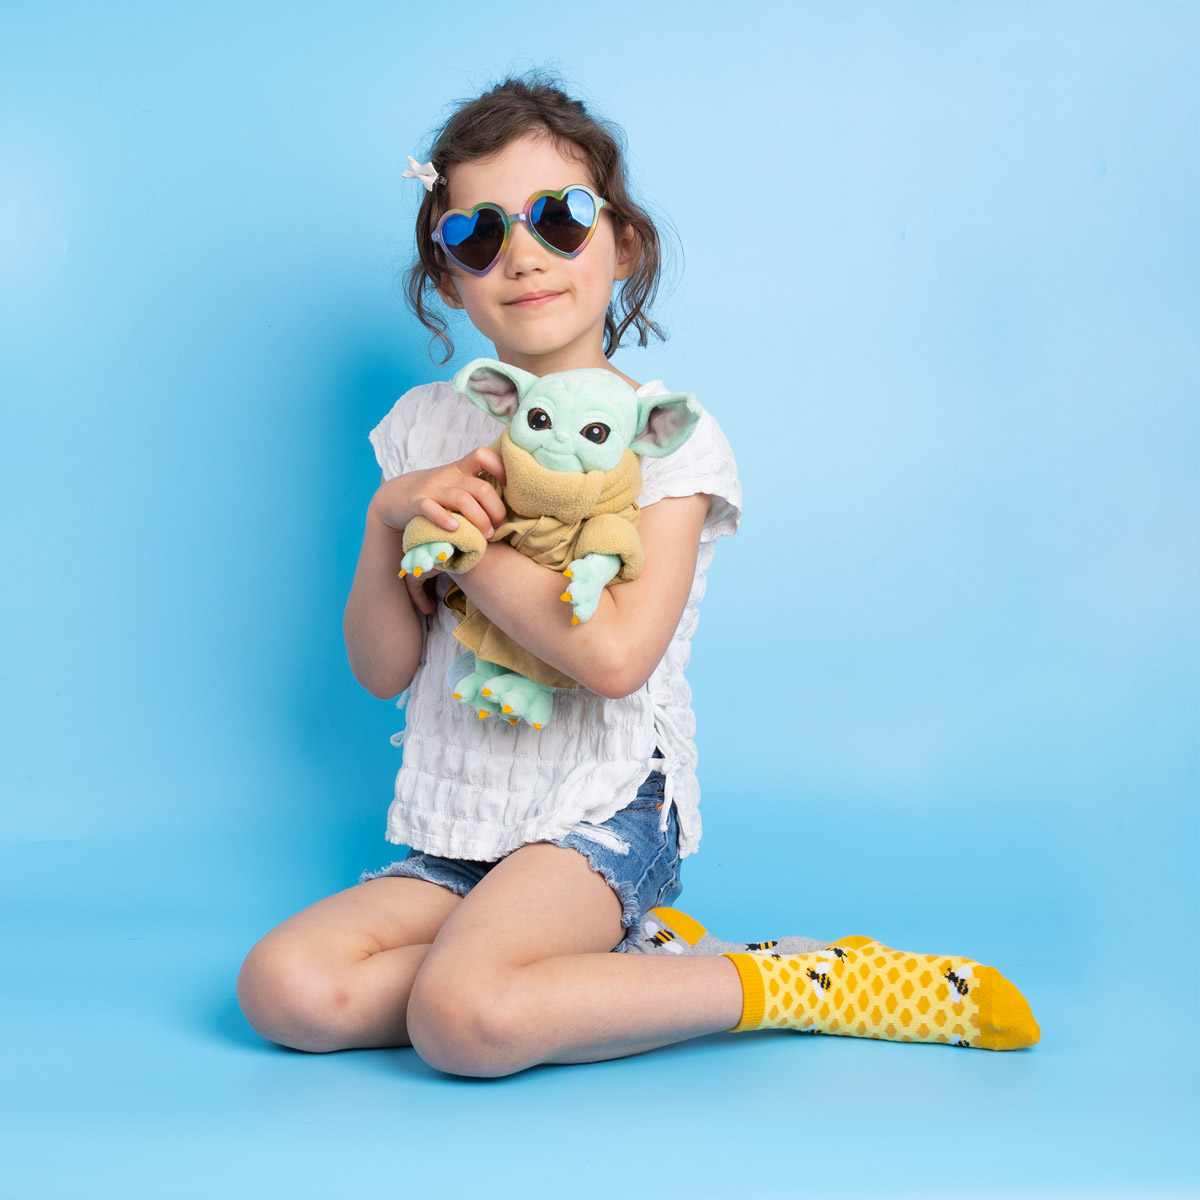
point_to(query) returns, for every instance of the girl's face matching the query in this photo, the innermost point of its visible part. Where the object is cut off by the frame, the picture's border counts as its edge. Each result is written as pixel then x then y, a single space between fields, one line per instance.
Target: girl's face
pixel 543 312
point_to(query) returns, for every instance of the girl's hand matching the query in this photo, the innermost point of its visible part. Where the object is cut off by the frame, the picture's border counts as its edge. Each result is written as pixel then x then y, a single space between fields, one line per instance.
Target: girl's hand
pixel 384 633
pixel 441 492
pixel 423 592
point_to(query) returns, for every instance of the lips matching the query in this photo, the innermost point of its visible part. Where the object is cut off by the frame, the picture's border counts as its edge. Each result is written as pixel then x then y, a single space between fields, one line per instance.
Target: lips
pixel 533 299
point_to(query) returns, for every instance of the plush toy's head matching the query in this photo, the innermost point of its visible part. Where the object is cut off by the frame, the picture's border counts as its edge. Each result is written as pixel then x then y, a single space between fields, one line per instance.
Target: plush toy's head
pixel 580 420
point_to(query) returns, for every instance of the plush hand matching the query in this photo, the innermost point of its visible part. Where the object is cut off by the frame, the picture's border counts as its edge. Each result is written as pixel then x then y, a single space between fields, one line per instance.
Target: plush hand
pixel 589 576
pixel 432 556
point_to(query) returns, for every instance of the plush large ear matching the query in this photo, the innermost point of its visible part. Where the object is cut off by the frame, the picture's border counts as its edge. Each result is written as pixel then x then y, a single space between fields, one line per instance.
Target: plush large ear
pixel 665 423
pixel 496 387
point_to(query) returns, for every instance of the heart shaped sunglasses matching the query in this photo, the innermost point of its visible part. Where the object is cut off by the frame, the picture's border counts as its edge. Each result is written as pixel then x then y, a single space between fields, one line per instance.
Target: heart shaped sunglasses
pixel 562 221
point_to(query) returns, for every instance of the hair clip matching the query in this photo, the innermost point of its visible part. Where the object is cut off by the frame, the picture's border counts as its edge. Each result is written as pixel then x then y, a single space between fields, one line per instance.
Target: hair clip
pixel 427 174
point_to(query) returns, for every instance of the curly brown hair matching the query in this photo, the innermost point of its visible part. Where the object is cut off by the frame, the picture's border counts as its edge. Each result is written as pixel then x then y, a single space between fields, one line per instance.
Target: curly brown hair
pixel 481 127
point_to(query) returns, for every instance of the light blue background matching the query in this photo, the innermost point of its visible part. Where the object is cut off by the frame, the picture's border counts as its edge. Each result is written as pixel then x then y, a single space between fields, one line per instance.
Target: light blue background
pixel 941 291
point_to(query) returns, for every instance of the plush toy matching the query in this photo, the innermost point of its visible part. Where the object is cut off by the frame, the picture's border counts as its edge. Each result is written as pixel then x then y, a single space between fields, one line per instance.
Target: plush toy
pixel 572 484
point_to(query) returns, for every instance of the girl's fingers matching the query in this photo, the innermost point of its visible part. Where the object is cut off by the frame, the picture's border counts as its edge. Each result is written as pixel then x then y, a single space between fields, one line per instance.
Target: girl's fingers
pixel 482 458
pixel 474 498
pixel 475 510
pixel 460 490
pixel 422 601
pixel 430 508
pixel 463 505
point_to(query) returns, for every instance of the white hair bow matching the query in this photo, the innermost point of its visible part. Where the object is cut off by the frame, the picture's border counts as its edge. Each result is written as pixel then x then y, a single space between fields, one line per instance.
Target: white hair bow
pixel 427 174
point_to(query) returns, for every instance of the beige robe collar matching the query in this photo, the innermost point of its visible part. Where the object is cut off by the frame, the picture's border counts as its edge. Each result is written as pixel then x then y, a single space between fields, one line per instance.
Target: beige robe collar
pixel 570 496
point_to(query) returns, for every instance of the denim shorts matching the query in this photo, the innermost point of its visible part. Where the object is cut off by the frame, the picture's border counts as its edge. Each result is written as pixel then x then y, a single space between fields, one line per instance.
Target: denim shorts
pixel 637 860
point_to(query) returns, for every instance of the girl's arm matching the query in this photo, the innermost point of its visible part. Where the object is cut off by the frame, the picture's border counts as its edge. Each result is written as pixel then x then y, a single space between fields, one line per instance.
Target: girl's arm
pixel 383 624
pixel 615 652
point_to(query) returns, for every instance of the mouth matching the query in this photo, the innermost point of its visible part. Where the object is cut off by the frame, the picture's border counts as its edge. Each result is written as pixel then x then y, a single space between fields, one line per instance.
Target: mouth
pixel 557 462
pixel 533 300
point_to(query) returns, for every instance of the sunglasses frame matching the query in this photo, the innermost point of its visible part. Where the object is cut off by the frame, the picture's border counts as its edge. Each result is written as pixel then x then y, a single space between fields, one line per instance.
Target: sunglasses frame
pixel 521 218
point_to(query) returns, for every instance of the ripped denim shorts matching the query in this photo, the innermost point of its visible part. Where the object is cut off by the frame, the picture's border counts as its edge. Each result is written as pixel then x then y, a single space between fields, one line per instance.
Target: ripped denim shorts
pixel 637 860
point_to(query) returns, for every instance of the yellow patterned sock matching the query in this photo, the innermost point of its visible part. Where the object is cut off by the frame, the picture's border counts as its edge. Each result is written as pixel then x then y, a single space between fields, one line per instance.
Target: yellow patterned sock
pixel 860 988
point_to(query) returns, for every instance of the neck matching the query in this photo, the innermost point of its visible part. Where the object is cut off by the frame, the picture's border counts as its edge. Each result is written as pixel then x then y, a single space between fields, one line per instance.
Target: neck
pixel 569 358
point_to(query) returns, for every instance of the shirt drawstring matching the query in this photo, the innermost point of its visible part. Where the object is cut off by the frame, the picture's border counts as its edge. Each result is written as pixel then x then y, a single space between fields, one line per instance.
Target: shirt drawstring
pixel 671 761
pixel 397 739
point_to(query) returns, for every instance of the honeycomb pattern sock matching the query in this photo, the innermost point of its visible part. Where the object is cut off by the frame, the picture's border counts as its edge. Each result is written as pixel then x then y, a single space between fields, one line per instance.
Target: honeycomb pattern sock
pixel 857 987
pixel 669 931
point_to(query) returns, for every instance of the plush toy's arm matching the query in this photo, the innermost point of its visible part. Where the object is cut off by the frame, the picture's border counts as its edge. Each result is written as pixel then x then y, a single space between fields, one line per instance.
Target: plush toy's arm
pixel 612 533
pixel 608 548
pixel 428 546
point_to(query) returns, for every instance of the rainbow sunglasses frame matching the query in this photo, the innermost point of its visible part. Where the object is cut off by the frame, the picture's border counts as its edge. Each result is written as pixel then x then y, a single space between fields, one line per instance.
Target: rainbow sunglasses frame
pixel 524 217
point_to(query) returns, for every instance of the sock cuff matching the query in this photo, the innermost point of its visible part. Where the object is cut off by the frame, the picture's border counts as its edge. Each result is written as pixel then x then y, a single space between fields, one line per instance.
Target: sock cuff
pixel 754 998
pixel 686 927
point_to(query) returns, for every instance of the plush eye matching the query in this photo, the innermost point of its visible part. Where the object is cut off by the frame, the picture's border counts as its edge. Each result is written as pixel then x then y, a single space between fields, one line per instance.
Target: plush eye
pixel 539 418
pixel 596 433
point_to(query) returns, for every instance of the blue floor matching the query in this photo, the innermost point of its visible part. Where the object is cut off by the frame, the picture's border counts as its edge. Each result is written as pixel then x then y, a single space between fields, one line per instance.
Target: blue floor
pixel 130 1073
pixel 940 292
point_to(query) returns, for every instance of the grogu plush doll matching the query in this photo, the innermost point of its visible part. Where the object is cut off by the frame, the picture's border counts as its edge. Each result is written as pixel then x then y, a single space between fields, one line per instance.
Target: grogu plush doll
pixel 570 453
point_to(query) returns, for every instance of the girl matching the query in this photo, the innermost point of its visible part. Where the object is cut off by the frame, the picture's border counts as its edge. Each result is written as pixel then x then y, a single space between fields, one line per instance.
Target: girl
pixel 538 852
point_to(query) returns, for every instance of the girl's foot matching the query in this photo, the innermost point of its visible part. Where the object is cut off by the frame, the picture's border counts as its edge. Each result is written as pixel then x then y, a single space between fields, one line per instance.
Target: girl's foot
pixel 669 931
pixel 857 987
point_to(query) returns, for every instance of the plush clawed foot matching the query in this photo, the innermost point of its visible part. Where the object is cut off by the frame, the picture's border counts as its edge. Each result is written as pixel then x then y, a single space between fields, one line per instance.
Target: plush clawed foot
pixel 589 576
pixel 519 699
pixel 493 690
pixel 433 556
pixel 469 689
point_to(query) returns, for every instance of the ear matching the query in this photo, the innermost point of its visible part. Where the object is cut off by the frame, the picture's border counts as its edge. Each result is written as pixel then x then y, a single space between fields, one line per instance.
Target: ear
pixel 665 423
pixel 496 387
pixel 629 251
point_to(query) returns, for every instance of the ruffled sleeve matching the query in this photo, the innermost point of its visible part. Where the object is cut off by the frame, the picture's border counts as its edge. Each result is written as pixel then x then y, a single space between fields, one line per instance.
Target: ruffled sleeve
pixel 704 463
pixel 406 439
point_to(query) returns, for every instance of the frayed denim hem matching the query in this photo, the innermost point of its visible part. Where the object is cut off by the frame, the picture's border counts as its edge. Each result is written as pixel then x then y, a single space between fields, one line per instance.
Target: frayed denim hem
pixel 630 852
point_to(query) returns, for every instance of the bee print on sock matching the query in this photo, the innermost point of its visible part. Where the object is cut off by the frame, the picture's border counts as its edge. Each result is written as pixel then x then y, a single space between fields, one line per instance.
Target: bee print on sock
pixel 959 980
pixel 762 948
pixel 820 974
pixel 662 937
pixel 820 981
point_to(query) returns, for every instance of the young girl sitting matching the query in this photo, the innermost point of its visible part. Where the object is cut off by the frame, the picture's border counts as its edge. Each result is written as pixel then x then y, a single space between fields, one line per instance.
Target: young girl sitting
pixel 537 852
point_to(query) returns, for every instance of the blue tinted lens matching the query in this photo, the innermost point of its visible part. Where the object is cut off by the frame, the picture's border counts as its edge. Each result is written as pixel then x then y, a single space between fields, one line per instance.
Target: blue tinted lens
pixel 473 241
pixel 582 207
pixel 564 224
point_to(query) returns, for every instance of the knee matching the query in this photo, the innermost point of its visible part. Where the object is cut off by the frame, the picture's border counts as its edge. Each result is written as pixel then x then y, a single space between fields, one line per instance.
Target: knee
pixel 475 1024
pixel 290 998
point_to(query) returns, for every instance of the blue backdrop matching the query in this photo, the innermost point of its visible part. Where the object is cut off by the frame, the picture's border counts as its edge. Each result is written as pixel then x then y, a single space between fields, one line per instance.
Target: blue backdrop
pixel 940 288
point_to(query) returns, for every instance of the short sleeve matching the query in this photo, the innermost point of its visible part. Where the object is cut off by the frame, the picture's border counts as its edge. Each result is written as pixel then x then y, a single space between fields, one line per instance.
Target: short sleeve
pixel 429 425
pixel 704 463
pixel 391 437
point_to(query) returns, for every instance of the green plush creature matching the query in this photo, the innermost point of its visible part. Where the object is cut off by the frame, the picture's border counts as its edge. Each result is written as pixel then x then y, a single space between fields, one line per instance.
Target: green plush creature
pixel 570 453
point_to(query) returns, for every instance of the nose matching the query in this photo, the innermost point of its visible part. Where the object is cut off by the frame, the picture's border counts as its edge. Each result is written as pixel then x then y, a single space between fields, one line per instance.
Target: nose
pixel 524 252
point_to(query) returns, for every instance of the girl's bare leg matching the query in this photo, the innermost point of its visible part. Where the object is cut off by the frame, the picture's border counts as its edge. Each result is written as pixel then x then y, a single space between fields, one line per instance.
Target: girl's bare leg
pixel 338 974
pixel 521 973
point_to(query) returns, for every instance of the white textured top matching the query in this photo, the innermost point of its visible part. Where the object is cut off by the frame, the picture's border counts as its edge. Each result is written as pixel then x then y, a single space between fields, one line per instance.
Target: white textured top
pixel 478 789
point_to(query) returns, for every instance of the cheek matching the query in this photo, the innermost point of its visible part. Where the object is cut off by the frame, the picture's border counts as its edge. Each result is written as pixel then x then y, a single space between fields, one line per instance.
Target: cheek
pixel 602 264
pixel 599 458
pixel 523 437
